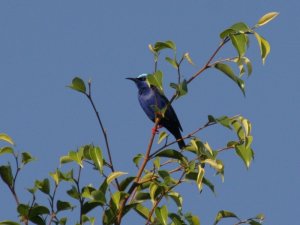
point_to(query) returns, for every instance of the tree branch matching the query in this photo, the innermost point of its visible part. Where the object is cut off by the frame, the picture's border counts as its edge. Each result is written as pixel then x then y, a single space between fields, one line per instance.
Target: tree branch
pixel 139 174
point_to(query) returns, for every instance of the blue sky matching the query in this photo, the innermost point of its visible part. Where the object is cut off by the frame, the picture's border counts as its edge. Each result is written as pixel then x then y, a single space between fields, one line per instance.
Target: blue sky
pixel 44 44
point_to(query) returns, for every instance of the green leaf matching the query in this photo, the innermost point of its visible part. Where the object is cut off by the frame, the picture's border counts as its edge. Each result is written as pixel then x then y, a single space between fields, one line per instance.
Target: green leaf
pixel 216 164
pixel 114 175
pixel 224 214
pixel 158 46
pixel 264 46
pixel 23 209
pixel 63 221
pixel 156 80
pixel 151 48
pixel 124 183
pixel 116 197
pixel 58 176
pixel 223 120
pixel 68 176
pixel 170 153
pixel 87 151
pixel 165 175
pixel 6 175
pixel 260 216
pixel 78 85
pixel 148 177
pixel 103 187
pixel 266 18
pixel 87 192
pixel 156 163
pixel 6 138
pixel 191 176
pixel 162 214
pixel 209 184
pixel 239 41
pixel 236 124
pixel 192 219
pixel 73 193
pixel 86 218
pixel 176 219
pixel 241 62
pixel 142 196
pixel 43 186
pixel 208 148
pixel 98 196
pixel 226 33
pixel 38 210
pixel 188 58
pixel 240 27
pixel 177 198
pixel 32 190
pixel 26 158
pixel 96 156
pixel 6 150
pixel 228 71
pixel 172 62
pixel 136 159
pixel 246 154
pixel 182 88
pixel 162 136
pixel 109 217
pixel 89 206
pixel 55 177
pixel 72 157
pixel 152 191
pixel 8 222
pixel 253 222
pixel 143 211
pixel 200 176
pixel 62 205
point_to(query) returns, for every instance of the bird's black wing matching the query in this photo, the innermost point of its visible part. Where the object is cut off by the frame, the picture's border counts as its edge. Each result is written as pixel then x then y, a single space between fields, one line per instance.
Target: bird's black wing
pixel 170 115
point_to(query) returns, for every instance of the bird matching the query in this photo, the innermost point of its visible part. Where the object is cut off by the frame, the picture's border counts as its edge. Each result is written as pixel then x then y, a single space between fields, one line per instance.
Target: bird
pixel 150 98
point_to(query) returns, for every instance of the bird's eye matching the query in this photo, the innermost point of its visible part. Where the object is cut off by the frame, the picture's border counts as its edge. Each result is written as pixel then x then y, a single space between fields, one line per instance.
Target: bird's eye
pixel 142 78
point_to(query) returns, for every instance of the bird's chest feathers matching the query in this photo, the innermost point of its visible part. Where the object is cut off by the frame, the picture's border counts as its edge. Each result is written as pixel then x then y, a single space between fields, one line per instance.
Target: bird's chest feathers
pixel 149 98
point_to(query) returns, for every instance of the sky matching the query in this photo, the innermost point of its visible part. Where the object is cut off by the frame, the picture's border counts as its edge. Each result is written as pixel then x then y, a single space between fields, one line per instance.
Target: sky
pixel 45 44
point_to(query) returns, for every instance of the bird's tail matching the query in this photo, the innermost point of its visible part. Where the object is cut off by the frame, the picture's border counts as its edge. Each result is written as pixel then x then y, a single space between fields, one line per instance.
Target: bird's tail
pixel 181 144
pixel 179 139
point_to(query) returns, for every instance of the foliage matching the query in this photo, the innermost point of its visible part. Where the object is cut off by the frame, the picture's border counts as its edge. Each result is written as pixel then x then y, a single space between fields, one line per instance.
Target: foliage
pixel 161 170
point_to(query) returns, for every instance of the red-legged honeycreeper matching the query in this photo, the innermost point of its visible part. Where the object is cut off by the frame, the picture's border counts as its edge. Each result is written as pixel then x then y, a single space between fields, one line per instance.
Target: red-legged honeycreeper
pixel 151 98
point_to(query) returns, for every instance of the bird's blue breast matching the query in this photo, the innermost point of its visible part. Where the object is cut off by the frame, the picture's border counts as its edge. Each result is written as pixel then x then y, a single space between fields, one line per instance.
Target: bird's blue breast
pixel 148 99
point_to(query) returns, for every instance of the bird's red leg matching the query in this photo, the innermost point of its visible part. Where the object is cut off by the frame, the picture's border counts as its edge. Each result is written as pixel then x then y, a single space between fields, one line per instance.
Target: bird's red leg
pixel 155 129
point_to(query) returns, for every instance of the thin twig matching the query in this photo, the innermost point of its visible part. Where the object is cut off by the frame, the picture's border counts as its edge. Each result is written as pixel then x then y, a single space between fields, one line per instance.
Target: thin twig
pixel 52 197
pixel 79 191
pixel 12 188
pixel 183 138
pixel 224 41
pixel 89 96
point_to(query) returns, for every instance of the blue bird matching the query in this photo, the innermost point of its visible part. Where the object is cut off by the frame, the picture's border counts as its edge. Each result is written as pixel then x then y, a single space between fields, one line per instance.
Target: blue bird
pixel 151 97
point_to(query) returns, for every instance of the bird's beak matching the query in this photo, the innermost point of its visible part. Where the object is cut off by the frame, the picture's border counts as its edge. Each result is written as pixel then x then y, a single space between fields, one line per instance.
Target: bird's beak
pixel 133 79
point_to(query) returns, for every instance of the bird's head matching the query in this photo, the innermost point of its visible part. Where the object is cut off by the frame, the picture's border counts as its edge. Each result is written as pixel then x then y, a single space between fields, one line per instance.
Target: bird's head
pixel 140 81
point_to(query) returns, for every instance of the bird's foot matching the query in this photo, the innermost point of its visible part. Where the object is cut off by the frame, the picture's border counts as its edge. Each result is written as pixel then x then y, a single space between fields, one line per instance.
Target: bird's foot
pixel 155 129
